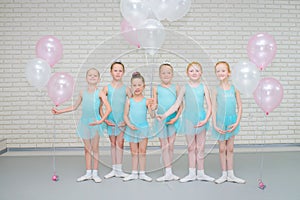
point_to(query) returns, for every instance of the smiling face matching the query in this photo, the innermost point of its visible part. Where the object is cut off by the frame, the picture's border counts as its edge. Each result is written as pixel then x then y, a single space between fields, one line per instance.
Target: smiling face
pixel 222 71
pixel 194 72
pixel 92 76
pixel 166 74
pixel 137 86
pixel 117 72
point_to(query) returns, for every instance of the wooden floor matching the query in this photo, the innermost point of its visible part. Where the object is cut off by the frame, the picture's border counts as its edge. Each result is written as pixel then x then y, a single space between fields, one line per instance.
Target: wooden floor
pixel 28 177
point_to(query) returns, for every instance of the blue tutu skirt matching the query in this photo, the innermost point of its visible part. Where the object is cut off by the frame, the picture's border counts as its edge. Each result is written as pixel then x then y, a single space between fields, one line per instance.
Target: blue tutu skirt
pixel 224 123
pixel 85 131
pixel 187 125
pixel 136 136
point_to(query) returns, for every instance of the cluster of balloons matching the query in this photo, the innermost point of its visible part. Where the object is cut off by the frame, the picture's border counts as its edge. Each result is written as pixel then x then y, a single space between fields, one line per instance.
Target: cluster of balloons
pixel 267 92
pixel 38 71
pixel 141 24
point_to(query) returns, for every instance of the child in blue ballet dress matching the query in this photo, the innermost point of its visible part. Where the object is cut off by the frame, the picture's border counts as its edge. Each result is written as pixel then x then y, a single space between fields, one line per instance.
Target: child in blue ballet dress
pixel 90 126
pixel 137 130
pixel 227 112
pixel 116 93
pixel 194 121
pixel 165 96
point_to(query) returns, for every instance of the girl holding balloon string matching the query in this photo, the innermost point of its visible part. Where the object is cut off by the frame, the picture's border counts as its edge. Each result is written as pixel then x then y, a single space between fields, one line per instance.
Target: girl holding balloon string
pixel 227 112
pixel 116 93
pixel 90 126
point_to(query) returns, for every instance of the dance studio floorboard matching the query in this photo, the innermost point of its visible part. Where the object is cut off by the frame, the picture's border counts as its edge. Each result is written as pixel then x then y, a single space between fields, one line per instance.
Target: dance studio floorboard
pixel 28 177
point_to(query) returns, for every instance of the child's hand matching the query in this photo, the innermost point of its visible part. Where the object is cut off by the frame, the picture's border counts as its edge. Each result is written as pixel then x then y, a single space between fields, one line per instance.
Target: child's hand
pixel 96 123
pixel 232 127
pixel 160 117
pixel 109 123
pixel 121 124
pixel 55 111
pixel 172 121
pixel 220 130
pixel 132 127
pixel 201 123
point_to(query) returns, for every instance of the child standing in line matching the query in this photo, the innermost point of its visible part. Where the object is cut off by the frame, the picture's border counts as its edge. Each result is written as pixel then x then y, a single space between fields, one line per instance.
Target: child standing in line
pixel 90 126
pixel 194 121
pixel 165 96
pixel 116 93
pixel 137 131
pixel 227 112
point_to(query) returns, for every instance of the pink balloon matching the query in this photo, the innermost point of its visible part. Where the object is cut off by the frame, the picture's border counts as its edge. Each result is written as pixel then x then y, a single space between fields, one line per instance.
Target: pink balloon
pixel 268 94
pixel 129 33
pixel 261 49
pixel 60 87
pixel 49 49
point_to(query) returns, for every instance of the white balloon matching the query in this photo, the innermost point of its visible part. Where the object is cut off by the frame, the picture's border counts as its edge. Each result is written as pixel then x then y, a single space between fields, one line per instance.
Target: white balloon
pixel 38 72
pixel 161 8
pixel 178 9
pixel 245 77
pixel 151 35
pixel 134 11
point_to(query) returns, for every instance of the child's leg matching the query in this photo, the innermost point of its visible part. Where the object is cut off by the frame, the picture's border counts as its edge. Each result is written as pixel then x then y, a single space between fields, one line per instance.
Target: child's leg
pixel 200 146
pixel 119 156
pixel 88 160
pixel 230 175
pixel 95 158
pixel 192 159
pixel 95 149
pixel 171 141
pixel 142 160
pixel 134 149
pixel 222 154
pixel 112 139
pixel 165 151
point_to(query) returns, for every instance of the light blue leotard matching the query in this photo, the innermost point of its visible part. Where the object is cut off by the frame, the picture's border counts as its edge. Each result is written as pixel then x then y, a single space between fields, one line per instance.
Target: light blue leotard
pixel 116 98
pixel 226 113
pixel 193 111
pixel 90 113
pixel 138 118
pixel 166 97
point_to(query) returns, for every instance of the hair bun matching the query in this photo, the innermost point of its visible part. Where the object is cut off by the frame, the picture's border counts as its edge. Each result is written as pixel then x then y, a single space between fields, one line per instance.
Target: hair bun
pixel 136 74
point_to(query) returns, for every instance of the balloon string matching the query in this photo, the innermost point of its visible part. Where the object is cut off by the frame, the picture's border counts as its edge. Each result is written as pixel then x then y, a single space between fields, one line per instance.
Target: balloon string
pixel 53 145
pixel 262 152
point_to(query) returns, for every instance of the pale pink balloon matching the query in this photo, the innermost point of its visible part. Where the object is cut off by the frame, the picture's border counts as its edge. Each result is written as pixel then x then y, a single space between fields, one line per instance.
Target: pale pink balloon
pixel 261 49
pixel 49 49
pixel 60 87
pixel 129 33
pixel 268 94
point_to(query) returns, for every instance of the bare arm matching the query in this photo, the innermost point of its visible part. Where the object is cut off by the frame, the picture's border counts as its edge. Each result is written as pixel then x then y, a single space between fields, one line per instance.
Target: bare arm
pixel 126 113
pixel 214 112
pixel 209 108
pixel 179 111
pixel 175 106
pixel 70 108
pixel 103 98
pixel 239 111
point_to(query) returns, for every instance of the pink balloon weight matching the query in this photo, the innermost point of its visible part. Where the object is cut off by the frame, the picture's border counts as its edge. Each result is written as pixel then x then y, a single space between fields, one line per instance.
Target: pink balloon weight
pixel 60 87
pixel 129 33
pixel 261 49
pixel 268 94
pixel 49 49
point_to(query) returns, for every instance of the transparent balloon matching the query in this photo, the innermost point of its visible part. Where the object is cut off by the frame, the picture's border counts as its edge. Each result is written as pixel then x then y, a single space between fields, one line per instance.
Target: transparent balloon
pixel 268 94
pixel 60 87
pixel 245 77
pixel 134 11
pixel 38 72
pixel 129 33
pixel 151 35
pixel 178 9
pixel 261 49
pixel 161 8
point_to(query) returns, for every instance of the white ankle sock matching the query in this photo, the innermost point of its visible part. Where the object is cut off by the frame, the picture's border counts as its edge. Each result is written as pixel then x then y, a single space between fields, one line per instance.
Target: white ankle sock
pixel 88 172
pixel 95 172
pixel 168 171
pixel 192 171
